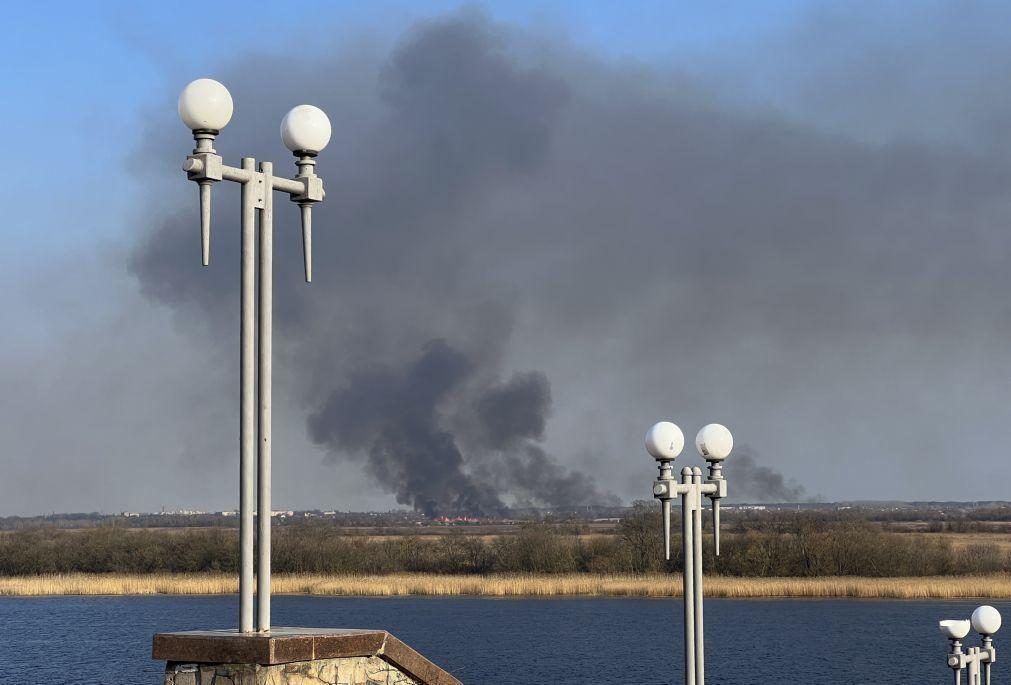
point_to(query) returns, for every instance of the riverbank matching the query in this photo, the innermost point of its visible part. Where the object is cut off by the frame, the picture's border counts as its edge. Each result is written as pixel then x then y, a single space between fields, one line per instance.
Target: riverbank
pixel 995 586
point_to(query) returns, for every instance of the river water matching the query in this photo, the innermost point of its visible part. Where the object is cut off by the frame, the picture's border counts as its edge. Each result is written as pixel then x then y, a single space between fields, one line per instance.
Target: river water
pixel 516 641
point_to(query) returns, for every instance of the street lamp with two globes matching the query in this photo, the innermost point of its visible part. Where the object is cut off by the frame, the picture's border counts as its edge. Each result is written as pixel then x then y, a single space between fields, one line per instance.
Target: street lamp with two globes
pixel 205 106
pixel 986 621
pixel 664 442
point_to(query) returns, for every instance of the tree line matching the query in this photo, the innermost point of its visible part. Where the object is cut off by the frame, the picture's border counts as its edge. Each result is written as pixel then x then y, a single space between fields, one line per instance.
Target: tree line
pixel 795 545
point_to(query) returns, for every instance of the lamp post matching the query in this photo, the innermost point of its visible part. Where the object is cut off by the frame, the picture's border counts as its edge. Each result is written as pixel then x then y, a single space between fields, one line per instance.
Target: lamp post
pixel 977 660
pixel 205 106
pixel 664 442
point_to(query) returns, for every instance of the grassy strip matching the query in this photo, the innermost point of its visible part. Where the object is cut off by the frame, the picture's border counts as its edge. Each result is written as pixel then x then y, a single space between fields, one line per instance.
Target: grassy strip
pixel 996 586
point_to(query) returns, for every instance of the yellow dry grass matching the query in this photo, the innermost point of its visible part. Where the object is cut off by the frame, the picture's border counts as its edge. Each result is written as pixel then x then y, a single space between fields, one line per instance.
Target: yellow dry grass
pixel 582 585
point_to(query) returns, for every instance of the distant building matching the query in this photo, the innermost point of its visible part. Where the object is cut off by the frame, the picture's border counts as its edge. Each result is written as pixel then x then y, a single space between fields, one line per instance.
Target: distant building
pixel 455 519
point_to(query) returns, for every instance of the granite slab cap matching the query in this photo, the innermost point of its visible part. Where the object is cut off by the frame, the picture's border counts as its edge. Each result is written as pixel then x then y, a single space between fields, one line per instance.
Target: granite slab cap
pixel 285 645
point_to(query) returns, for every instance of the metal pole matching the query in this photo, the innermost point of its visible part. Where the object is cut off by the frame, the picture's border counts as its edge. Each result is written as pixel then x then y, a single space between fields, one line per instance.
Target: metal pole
pixel 700 636
pixel 987 644
pixel 265 315
pixel 247 414
pixel 687 556
pixel 955 660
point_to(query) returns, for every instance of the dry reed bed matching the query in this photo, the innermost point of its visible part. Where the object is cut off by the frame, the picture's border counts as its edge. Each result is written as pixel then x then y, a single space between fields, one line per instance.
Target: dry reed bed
pixel 583 585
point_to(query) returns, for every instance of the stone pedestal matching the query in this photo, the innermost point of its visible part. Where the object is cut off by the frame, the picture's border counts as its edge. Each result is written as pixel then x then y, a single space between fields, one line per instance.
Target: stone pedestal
pixel 293 656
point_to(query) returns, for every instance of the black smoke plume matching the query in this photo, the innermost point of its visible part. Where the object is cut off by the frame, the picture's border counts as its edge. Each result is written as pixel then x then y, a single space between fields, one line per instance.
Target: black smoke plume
pixel 399 419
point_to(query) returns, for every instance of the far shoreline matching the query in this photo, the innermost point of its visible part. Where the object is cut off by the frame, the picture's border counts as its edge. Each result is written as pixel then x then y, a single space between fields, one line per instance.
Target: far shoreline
pixel 991 586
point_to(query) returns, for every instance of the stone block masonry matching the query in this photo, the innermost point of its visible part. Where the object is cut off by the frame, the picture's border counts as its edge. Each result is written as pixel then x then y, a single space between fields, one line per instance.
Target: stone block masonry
pixel 294 656
pixel 361 670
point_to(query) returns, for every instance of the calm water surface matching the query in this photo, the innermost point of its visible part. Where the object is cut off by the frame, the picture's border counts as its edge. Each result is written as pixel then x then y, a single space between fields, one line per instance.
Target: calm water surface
pixel 517 641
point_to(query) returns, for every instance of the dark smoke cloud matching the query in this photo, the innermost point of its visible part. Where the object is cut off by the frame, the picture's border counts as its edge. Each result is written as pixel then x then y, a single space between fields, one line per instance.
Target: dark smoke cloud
pixel 750 481
pixel 393 416
pixel 398 418
pixel 514 411
pixel 645 241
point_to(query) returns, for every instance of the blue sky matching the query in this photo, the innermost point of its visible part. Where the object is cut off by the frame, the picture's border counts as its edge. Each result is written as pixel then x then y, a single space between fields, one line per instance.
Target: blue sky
pixel 82 73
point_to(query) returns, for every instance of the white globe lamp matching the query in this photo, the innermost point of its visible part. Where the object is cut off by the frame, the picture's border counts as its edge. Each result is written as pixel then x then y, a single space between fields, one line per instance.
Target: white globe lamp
pixel 986 620
pixel 954 630
pixel 664 441
pixel 714 442
pixel 305 130
pixel 205 104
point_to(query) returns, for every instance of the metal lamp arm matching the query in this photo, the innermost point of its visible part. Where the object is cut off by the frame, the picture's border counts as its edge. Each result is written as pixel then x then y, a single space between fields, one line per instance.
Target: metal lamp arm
pixel 205 167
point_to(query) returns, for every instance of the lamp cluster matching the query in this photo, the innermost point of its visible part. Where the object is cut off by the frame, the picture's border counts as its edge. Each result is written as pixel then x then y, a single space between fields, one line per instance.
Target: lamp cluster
pixel 664 442
pixel 205 106
pixel 714 442
pixel 986 621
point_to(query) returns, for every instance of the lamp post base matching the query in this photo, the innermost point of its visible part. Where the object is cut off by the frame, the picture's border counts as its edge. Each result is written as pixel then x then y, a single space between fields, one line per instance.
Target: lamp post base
pixel 290 656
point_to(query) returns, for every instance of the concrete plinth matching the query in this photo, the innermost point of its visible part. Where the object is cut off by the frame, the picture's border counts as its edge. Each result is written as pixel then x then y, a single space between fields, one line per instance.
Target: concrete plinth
pixel 293 656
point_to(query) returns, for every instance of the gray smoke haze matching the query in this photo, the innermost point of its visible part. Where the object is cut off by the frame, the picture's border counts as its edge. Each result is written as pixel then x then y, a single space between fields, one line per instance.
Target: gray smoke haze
pixel 458 119
pixel 750 481
pixel 642 233
pixel 805 239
